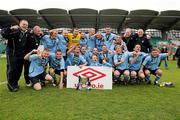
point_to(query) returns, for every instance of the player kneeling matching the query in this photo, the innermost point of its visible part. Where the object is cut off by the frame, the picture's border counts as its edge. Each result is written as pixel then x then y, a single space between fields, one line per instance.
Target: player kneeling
pixel 136 75
pixel 57 66
pixel 37 73
pixel 121 64
pixel 151 63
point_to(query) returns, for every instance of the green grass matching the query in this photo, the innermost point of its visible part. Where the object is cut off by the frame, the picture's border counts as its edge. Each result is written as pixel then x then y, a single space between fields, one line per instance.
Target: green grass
pixel 2 70
pixel 143 102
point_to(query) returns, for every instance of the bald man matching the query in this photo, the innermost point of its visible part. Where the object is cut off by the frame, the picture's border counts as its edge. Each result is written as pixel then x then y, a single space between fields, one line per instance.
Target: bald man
pixel 33 41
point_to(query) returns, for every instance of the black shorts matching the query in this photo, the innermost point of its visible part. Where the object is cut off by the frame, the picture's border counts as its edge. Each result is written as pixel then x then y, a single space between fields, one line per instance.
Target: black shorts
pixel 137 71
pixel 38 78
pixel 121 71
pixel 152 71
pixel 59 71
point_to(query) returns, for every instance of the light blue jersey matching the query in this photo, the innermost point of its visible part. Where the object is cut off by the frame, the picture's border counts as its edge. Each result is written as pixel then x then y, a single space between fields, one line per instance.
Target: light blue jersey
pixel 36 65
pixel 95 64
pixel 83 42
pixel 99 44
pixel 137 64
pixel 91 54
pixel 62 45
pixel 98 64
pixel 57 64
pixel 75 60
pixel 108 39
pixel 113 46
pixel 50 44
pixel 152 63
pixel 107 55
pixel 90 42
pixel 86 57
pixel 122 57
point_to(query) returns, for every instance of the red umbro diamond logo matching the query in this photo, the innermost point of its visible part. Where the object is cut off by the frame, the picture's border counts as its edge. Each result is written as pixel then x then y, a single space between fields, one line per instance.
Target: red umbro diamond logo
pixel 90 73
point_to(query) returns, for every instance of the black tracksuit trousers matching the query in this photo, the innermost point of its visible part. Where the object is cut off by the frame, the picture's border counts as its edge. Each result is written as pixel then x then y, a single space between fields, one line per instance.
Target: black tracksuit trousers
pixel 14 70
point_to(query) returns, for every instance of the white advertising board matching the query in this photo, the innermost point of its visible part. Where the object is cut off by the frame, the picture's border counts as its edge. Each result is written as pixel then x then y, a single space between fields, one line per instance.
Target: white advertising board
pixel 100 77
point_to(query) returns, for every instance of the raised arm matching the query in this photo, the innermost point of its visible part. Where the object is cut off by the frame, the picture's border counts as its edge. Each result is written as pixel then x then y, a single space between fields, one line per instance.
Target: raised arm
pixel 134 57
pixel 26 57
pixel 70 50
pixel 9 32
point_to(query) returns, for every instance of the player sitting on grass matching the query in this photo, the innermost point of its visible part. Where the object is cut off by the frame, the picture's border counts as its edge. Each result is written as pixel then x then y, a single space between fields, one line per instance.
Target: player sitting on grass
pixel 37 73
pixel 151 63
pixel 57 66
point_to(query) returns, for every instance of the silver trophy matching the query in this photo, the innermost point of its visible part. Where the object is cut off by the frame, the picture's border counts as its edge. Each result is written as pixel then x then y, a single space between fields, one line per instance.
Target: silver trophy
pixel 83 82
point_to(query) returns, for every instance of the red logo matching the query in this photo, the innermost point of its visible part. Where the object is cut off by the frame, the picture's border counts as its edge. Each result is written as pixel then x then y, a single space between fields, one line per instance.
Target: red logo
pixel 90 73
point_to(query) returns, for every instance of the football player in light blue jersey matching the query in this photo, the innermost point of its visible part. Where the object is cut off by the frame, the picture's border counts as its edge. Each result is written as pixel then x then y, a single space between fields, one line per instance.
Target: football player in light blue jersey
pixel 94 62
pixel 36 70
pixel 74 58
pixel 63 43
pixel 91 39
pixel 57 66
pixel 118 41
pixel 106 55
pixel 51 41
pixel 95 52
pixel 121 63
pixel 85 54
pixel 135 65
pixel 99 42
pixel 151 63
pixel 108 37
pixel 83 40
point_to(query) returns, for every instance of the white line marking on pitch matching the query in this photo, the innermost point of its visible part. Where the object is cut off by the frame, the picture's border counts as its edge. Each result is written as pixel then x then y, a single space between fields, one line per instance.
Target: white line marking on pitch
pixel 1 83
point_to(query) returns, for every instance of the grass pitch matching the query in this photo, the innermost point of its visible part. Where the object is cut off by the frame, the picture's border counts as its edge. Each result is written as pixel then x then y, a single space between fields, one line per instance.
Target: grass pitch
pixel 132 102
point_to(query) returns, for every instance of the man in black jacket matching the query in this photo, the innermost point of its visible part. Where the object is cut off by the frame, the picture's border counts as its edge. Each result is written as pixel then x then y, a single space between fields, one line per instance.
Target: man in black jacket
pixel 33 41
pixel 128 39
pixel 141 39
pixel 17 38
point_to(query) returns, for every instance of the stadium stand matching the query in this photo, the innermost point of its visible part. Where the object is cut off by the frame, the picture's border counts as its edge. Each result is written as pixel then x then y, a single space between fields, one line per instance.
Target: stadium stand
pixel 84 18
pixel 56 18
pixel 156 40
pixel 161 25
